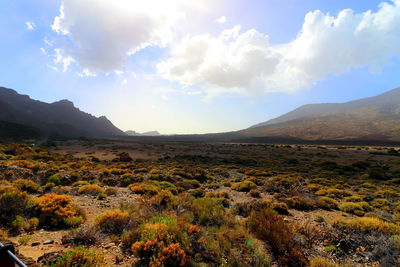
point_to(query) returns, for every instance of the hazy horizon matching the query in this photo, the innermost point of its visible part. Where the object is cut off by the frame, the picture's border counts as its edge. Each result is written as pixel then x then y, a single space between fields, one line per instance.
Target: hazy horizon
pixel 203 67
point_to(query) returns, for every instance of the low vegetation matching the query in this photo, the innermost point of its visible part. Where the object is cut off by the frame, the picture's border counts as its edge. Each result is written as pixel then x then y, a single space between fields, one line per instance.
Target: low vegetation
pixel 202 204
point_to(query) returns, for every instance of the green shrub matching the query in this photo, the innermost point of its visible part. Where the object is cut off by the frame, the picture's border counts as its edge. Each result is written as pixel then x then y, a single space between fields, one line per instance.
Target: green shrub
pixel 244 186
pixel 26 185
pixel 14 203
pixel 55 179
pixel 355 208
pixel 80 257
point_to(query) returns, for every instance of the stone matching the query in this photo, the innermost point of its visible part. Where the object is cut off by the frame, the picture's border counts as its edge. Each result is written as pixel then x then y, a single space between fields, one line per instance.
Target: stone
pixel 48 242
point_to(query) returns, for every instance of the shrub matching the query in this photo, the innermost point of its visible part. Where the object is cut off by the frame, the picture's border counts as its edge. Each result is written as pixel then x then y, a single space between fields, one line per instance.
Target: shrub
pixel 111 191
pixel 380 203
pixel 255 193
pixel 355 208
pixel 26 185
pixel 299 203
pixel 208 211
pixel 321 262
pixel 197 193
pixel 188 184
pixel 55 179
pixel 163 199
pixel 56 210
pixel 80 257
pixel 79 183
pixel 366 224
pixel 162 242
pixel 151 188
pixel 84 236
pixel 333 193
pixel 90 189
pixel 14 203
pixel 110 181
pixel 244 186
pixel 327 203
pixel 113 222
pixel 271 228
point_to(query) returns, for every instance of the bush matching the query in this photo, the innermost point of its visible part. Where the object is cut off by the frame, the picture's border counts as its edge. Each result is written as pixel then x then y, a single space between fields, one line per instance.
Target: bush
pixel 327 203
pixel 321 262
pixel 163 199
pixel 113 222
pixel 26 185
pixel 55 179
pixel 244 186
pixel 271 228
pixel 84 236
pixel 80 257
pixel 90 189
pixel 162 242
pixel 255 193
pixel 355 208
pixel 57 211
pixel 188 184
pixel 366 224
pixel 208 211
pixel 14 203
pixel 299 203
pixel 151 188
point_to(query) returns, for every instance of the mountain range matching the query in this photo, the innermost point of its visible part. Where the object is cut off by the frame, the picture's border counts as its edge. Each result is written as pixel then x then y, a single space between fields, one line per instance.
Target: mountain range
pixel 21 114
pixel 369 119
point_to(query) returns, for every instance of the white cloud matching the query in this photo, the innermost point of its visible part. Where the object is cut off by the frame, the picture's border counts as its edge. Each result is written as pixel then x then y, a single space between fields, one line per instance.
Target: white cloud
pixel 246 62
pixel 101 33
pixel 221 19
pixel 30 25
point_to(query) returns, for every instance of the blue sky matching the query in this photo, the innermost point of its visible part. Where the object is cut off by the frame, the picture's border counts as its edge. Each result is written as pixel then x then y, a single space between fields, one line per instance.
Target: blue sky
pixel 187 69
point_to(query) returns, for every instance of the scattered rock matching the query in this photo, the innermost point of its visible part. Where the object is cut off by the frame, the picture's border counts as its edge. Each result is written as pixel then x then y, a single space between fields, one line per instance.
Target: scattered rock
pixel 48 242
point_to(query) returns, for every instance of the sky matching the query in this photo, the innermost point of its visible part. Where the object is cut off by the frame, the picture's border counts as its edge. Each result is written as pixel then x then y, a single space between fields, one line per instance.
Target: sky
pixel 198 66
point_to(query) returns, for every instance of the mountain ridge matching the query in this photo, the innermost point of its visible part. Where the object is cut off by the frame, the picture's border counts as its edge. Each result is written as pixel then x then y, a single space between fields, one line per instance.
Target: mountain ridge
pixel 60 117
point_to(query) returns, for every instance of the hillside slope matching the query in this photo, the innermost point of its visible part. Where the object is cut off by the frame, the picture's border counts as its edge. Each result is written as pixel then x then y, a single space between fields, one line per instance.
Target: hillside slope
pixel 373 118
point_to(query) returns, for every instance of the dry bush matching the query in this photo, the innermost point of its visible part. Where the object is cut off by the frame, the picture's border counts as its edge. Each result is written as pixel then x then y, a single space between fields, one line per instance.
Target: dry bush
pixel 84 236
pixel 113 222
pixel 281 237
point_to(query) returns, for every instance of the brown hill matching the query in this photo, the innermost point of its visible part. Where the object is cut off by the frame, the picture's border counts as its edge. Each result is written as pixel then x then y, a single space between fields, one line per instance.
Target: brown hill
pixel 373 118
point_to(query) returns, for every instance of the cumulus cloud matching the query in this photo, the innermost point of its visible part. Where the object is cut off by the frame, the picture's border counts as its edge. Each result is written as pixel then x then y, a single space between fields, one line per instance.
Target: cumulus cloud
pixel 246 62
pixel 30 25
pixel 102 33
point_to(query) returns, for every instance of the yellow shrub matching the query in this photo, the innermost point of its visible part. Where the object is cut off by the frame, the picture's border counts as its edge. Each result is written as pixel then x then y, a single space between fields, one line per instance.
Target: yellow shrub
pixel 90 189
pixel 367 224
pixel 55 210
pixel 113 222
